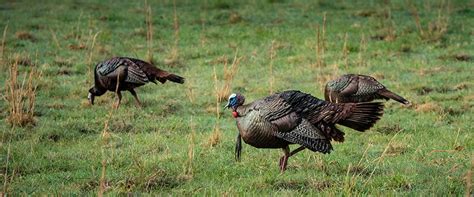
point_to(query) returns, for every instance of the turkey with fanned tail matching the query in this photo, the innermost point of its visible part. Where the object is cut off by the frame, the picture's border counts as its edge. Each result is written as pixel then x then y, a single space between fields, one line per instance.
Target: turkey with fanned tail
pixel 294 117
pixel 125 74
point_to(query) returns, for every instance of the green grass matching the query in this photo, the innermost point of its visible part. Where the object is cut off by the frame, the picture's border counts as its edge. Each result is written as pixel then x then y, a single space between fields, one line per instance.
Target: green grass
pixel 420 150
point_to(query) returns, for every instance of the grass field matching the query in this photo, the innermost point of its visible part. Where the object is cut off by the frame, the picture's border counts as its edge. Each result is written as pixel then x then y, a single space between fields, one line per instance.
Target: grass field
pixel 182 141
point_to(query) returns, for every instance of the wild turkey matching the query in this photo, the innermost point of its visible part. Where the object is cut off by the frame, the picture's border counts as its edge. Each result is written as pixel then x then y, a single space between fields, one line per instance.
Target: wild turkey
pixel 294 117
pixel 129 73
pixel 358 88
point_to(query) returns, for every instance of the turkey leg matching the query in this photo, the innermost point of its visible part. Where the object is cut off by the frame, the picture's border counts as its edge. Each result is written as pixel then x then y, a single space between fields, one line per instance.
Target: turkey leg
pixel 284 158
pixel 238 147
pixel 134 94
pixel 119 99
pixel 287 154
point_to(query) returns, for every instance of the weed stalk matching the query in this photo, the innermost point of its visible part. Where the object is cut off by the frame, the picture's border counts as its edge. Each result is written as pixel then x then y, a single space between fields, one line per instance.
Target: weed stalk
pixel 189 163
pixel 223 91
pixel 320 47
pixel 149 32
pixel 345 52
pixel 362 51
pixel 272 57
pixel 2 48
pixel 175 51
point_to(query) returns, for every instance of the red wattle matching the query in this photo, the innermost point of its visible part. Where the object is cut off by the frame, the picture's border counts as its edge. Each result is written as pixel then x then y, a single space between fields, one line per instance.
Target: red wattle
pixel 235 114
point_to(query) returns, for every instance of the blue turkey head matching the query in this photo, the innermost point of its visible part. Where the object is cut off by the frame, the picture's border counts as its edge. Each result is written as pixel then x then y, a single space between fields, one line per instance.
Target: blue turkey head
pixel 235 100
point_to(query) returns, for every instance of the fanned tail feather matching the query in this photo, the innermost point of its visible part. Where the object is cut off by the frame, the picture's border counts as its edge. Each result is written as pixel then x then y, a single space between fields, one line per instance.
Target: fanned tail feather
pixel 389 94
pixel 363 115
pixel 175 78
pixel 155 73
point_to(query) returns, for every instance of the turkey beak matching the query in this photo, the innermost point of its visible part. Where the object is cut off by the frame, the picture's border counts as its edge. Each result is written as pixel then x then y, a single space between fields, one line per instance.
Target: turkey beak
pixel 90 97
pixel 227 105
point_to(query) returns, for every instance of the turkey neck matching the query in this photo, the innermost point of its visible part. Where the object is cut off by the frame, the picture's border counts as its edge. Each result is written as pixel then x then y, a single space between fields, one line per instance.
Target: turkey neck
pixel 243 109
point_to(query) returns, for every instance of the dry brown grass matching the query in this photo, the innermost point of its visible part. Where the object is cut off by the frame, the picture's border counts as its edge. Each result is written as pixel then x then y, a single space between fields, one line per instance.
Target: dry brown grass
pixel 321 79
pixel 55 39
pixel 175 26
pixel 468 98
pixel 105 138
pixel 90 66
pixel 321 44
pixel 215 138
pixel 428 107
pixel 5 175
pixel 24 35
pixel 391 29
pixel 173 57
pixel 362 60
pixel 189 167
pixel 222 91
pixel 272 57
pixel 387 32
pixel 77 47
pixel 21 96
pixel 234 18
pixel 2 47
pixel 149 32
pixel 396 148
pixel 190 92
pixel 345 52
pixel 435 29
pixel 468 179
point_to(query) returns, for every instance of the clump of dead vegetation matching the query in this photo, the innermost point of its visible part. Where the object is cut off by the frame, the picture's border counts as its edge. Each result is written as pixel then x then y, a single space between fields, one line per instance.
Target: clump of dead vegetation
pixel 21 95
pixel 222 87
pixel 428 107
pixel 24 35
pixel 433 30
pixel 2 46
pixel 221 92
pixel 149 32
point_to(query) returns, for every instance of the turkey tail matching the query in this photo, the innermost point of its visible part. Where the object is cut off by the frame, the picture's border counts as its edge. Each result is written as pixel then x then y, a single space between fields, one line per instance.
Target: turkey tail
pixel 173 78
pixel 155 73
pixel 362 116
pixel 389 94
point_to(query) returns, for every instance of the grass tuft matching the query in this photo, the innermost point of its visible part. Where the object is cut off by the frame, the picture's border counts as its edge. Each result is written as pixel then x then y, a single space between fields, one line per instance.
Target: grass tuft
pixel 468 179
pixel 2 47
pixel 189 165
pixel 428 107
pixel 215 138
pixel 222 91
pixel 173 57
pixel 321 43
pixel 435 29
pixel 21 96
pixel 24 35
pixel 270 71
pixel 149 32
